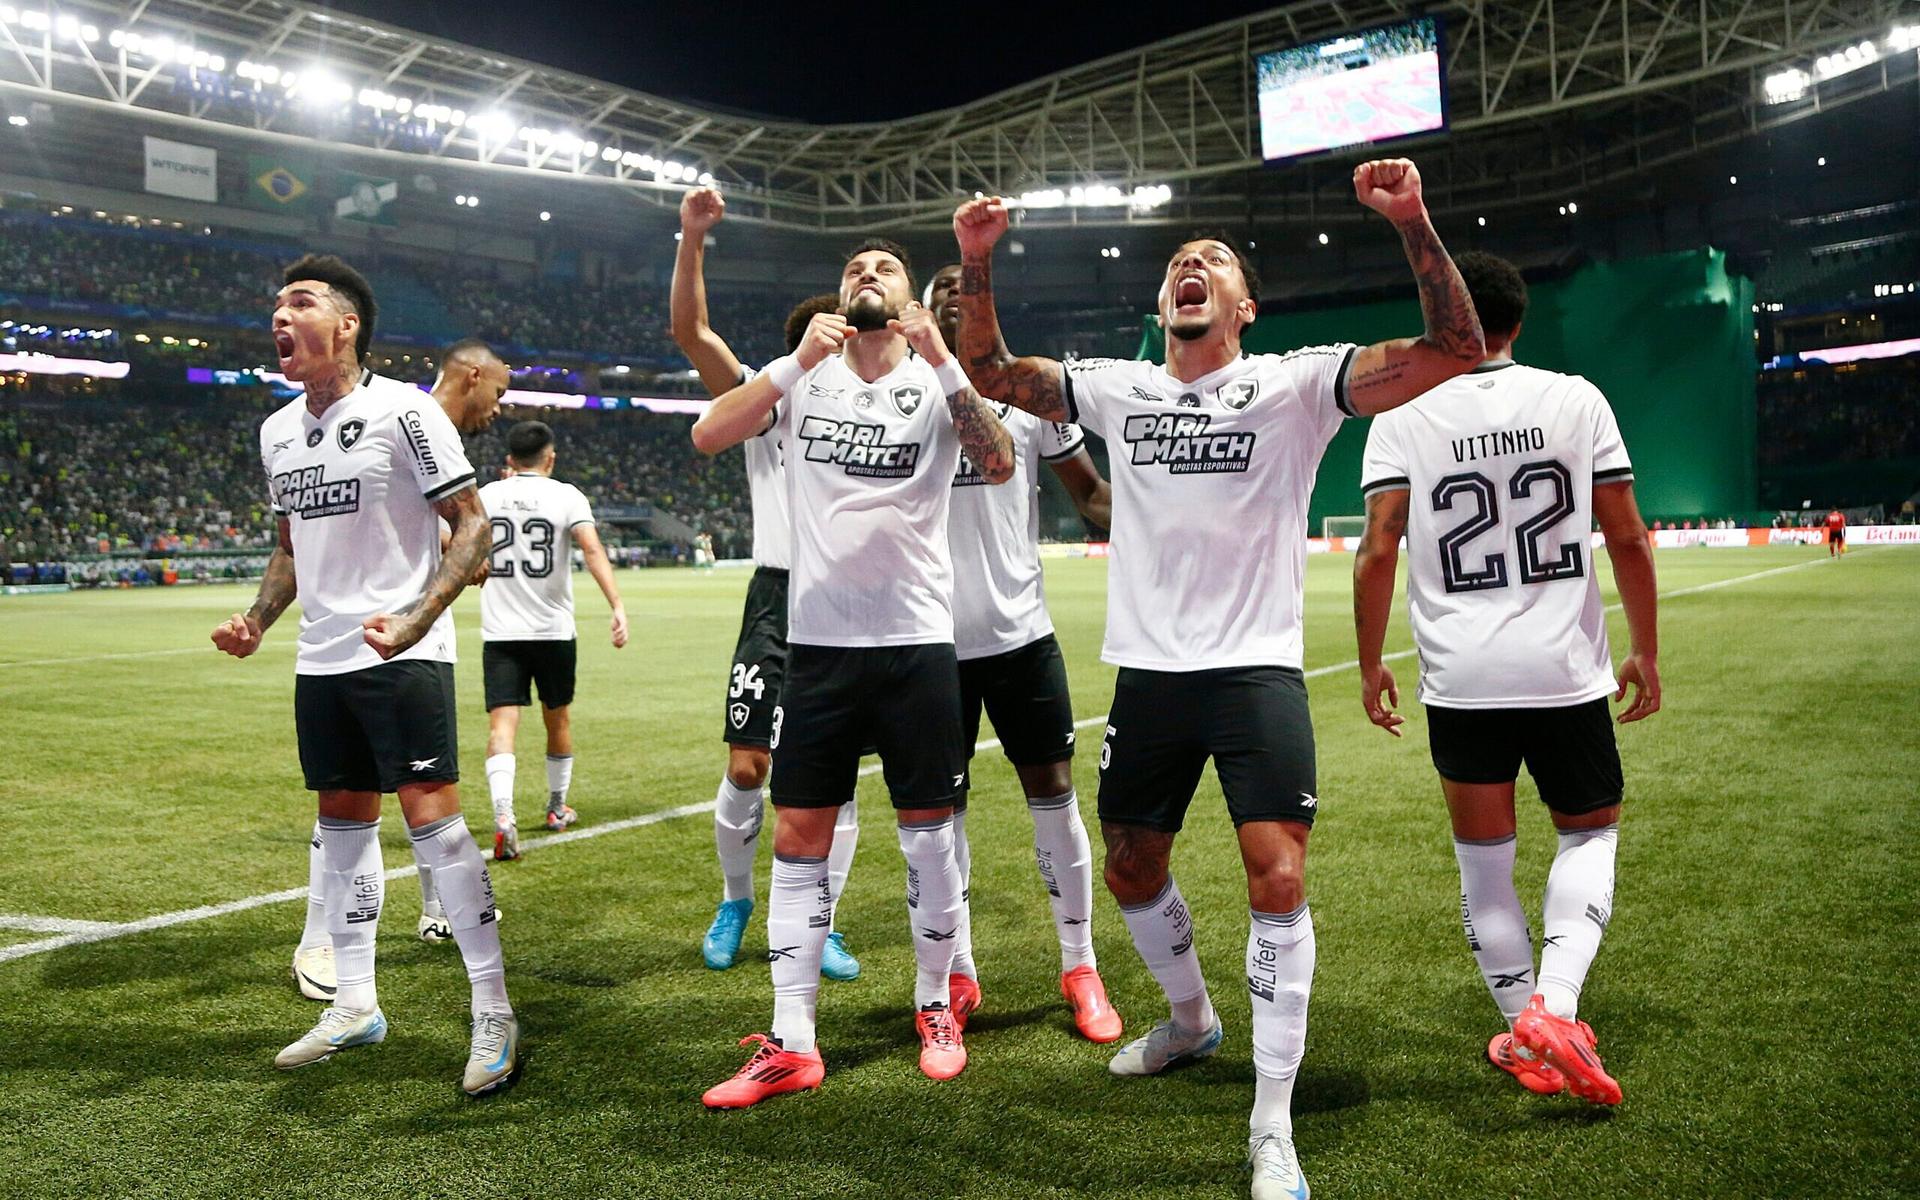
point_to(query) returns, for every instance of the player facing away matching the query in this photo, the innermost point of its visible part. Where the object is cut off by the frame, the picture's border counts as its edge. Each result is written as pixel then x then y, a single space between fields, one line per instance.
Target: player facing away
pixel 468 389
pixel 1213 459
pixel 760 653
pixel 1495 479
pixel 1836 533
pixel 876 414
pixel 526 620
pixel 1010 663
pixel 357 470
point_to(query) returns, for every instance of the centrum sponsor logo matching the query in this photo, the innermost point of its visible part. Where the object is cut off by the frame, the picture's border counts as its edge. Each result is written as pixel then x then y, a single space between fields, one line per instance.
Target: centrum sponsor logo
pixel 1185 444
pixel 858 448
pixel 417 440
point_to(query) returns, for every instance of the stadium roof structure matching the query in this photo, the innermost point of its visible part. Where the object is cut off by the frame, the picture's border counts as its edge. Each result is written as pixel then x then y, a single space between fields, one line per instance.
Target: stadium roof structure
pixel 1544 96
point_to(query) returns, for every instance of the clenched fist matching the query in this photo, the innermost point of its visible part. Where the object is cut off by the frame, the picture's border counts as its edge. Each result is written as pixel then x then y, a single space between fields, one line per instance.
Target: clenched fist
pixel 1390 187
pixel 238 635
pixel 978 224
pixel 916 323
pixel 826 333
pixel 700 210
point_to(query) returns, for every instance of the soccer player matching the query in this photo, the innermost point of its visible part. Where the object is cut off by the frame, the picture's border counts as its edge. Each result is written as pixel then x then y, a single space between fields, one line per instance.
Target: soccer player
pixel 1011 664
pixel 1213 459
pixel 468 388
pixel 760 653
pixel 1836 533
pixel 357 469
pixel 876 434
pixel 1495 479
pixel 526 620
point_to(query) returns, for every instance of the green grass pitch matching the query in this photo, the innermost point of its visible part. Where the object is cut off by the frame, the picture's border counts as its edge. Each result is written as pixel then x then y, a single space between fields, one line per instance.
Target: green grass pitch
pixel 1755 994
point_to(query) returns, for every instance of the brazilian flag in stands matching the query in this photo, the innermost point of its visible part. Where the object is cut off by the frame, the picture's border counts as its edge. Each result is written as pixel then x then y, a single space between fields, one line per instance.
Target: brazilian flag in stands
pixel 279 183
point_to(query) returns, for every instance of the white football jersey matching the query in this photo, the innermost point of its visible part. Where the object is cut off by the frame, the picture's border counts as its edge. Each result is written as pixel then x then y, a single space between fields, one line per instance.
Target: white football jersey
pixel 1210 487
pixel 357 487
pixel 528 596
pixel 767 489
pixel 869 473
pixel 1500 466
pixel 999 596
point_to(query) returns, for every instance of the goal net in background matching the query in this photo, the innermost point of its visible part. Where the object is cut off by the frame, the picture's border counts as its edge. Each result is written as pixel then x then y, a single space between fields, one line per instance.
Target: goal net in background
pixel 1351 527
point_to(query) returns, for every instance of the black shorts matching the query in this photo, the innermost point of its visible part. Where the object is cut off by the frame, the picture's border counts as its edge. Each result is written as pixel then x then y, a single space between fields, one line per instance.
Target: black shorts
pixel 513 668
pixel 1836 535
pixel 375 729
pixel 1252 721
pixel 1025 695
pixel 1569 751
pixel 759 661
pixel 903 701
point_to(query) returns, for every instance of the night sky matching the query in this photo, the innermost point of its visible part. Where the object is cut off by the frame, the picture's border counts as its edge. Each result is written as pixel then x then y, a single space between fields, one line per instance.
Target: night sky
pixel 821 62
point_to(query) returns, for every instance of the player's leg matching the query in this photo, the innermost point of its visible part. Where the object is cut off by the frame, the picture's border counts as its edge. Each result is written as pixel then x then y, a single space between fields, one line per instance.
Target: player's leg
pixel 508 680
pixel 963 985
pixel 836 961
pixel 1572 756
pixel 1150 762
pixel 555 675
pixel 912 712
pixel 313 971
pixel 754 682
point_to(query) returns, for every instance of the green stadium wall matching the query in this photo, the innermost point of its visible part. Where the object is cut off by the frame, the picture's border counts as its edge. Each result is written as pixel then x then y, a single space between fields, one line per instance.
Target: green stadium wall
pixel 1669 339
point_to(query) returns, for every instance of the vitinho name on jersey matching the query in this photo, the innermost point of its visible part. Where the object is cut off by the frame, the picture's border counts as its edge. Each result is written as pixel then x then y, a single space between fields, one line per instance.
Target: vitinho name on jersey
pixel 858 448
pixel 308 493
pixel 1181 442
pixel 1506 441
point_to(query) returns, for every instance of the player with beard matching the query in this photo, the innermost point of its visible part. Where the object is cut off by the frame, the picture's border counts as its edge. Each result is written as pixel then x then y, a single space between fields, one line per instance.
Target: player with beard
pixel 1214 456
pixel 357 470
pixel 1010 663
pixel 471 381
pixel 760 653
pixel 872 453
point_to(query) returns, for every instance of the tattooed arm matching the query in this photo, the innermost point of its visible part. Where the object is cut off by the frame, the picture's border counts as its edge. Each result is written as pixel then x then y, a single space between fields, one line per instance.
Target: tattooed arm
pixel 1037 385
pixel 240 634
pixel 988 445
pixel 391 633
pixel 1388 374
pixel 1373 573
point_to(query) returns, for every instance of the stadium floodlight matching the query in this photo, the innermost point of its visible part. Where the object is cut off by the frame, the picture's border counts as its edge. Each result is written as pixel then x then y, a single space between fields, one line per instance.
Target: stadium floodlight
pixel 1483 222
pixel 66 26
pixel 545 215
pixel 589 149
pixel 17 121
pixel 217 63
pixel 457 118
pixel 610 154
pixel 493 123
pixel 672 169
pixel 706 179
pixel 1324 239
pixel 34 20
pixel 1783 87
pixel 8 14
pixel 1904 38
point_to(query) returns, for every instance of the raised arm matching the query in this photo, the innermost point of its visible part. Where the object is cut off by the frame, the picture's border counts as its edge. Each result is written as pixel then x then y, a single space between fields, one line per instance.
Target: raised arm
pixel 1037 385
pixel 1632 556
pixel 1373 573
pixel 588 539
pixel 1388 374
pixel 1092 494
pixel 743 411
pixel 700 210
pixel 391 633
pixel 988 444
pixel 240 634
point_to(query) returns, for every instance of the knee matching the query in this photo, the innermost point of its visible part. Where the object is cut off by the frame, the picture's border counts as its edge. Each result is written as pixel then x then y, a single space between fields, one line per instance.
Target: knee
pixel 748 769
pixel 1134 874
pixel 1279 887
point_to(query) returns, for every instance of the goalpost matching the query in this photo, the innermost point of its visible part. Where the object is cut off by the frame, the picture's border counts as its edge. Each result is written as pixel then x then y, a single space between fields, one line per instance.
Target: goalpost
pixel 1351 527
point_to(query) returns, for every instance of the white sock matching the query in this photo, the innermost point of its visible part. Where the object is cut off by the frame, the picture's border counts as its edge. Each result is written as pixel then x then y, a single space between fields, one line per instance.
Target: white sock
pixel 429 894
pixel 356 886
pixel 466 890
pixel 500 786
pixel 1279 977
pixel 737 813
pixel 559 779
pixel 799 913
pixel 935 907
pixel 963 862
pixel 1163 934
pixel 1579 904
pixel 846 839
pixel 1065 859
pixel 315 931
pixel 1496 925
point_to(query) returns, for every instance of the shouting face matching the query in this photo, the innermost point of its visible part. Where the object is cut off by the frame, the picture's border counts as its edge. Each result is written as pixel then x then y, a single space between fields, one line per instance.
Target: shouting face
pixel 1204 288
pixel 312 327
pixel 873 290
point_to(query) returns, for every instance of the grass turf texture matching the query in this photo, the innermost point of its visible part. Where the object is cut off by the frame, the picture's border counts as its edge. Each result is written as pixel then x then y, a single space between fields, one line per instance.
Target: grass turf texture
pixel 1753 995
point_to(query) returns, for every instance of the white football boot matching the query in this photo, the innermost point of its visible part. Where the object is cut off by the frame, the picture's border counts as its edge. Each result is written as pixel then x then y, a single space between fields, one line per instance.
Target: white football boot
pixel 338 1029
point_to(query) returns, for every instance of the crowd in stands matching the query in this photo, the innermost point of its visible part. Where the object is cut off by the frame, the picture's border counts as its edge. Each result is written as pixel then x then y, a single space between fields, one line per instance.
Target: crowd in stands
pixel 72 259
pixel 1824 414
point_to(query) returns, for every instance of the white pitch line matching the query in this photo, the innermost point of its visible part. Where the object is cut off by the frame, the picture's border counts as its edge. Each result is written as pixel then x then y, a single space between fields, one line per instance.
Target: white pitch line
pixel 106 930
pixel 32 923
pixel 81 658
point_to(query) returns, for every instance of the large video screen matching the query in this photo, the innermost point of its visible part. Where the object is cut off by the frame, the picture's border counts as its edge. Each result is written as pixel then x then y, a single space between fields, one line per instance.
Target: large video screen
pixel 1351 90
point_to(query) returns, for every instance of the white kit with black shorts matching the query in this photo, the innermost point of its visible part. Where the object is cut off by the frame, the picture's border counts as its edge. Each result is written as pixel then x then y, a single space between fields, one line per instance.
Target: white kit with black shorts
pixel 870 609
pixel 1010 663
pixel 759 666
pixel 526 608
pixel 1210 487
pixel 1500 466
pixel 357 486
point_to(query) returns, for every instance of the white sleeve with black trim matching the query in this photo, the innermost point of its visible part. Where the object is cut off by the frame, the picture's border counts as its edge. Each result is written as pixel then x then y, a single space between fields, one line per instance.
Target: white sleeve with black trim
pixel 1383 467
pixel 434 451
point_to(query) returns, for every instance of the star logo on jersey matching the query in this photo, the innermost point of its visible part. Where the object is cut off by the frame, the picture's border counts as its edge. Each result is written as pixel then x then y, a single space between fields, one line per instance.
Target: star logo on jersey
pixel 313 438
pixel 863 400
pixel 737 713
pixel 1188 400
pixel 350 432
pixel 907 398
pixel 1239 394
pixel 422 764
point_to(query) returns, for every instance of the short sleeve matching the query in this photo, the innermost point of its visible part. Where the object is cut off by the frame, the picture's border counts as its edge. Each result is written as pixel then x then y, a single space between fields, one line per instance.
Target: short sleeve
pixel 1089 387
pixel 273 489
pixel 579 511
pixel 433 449
pixel 1383 468
pixel 1610 461
pixel 1059 440
pixel 1319 373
